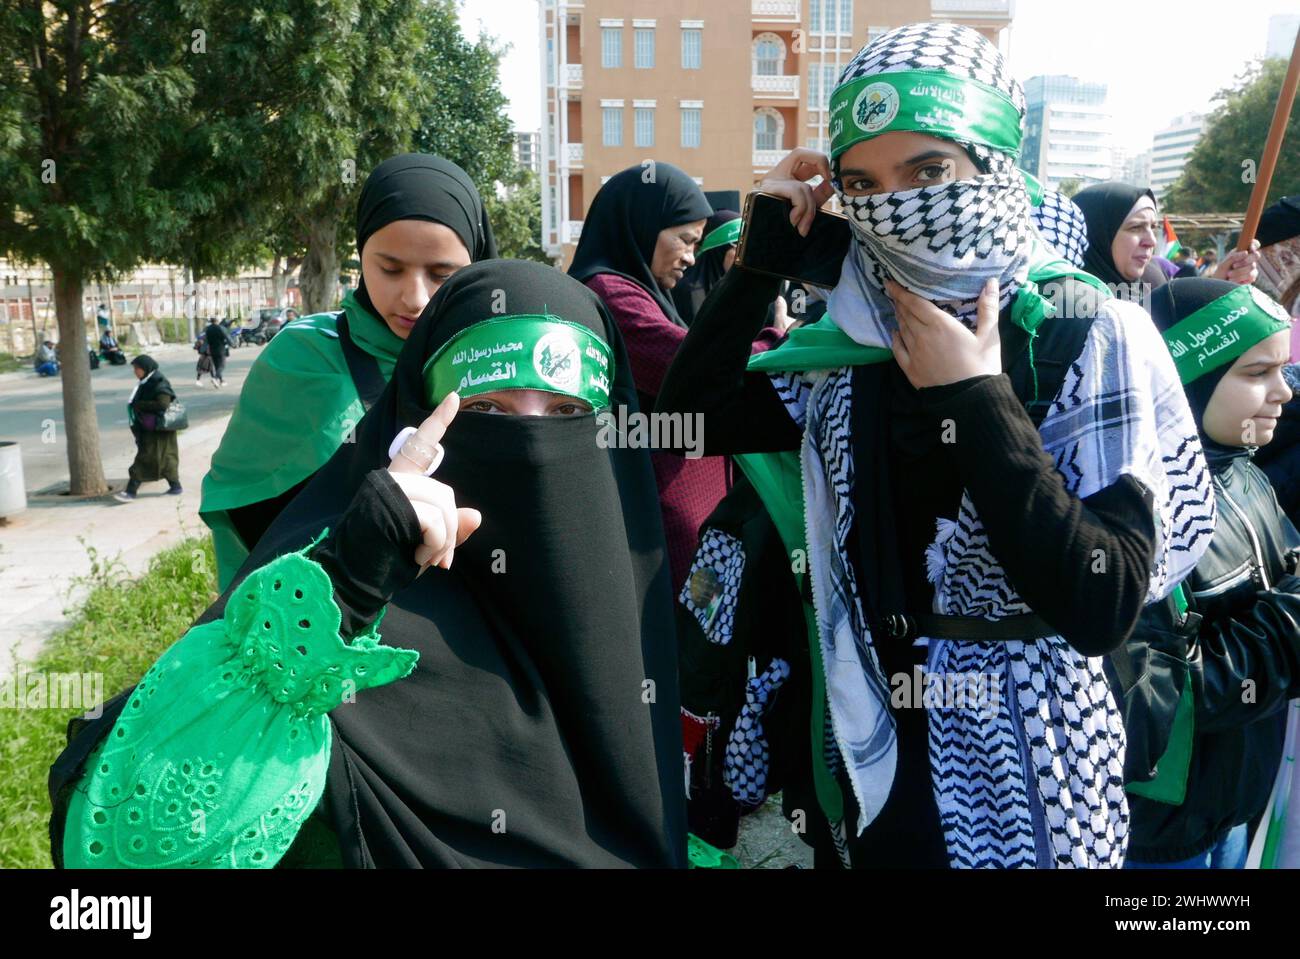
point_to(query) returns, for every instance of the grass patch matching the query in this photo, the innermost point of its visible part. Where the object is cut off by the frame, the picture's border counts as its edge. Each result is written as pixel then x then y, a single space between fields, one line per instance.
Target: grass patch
pixel 11 364
pixel 123 626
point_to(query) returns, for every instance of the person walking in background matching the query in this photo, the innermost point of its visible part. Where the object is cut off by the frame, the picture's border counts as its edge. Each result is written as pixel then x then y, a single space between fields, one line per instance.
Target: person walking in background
pixel 219 344
pixel 47 360
pixel 157 455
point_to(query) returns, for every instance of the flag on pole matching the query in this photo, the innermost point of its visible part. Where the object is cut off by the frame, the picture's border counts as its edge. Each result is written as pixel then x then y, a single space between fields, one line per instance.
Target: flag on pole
pixel 1171 244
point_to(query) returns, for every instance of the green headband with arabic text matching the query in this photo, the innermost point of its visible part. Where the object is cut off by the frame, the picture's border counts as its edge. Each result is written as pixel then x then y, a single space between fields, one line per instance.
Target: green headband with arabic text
pixel 923 101
pixel 531 351
pixel 1222 330
pixel 724 235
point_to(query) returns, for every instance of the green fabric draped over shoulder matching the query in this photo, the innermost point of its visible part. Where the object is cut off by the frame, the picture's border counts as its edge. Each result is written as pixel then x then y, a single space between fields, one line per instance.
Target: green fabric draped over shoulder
pixel 296 408
pixel 222 751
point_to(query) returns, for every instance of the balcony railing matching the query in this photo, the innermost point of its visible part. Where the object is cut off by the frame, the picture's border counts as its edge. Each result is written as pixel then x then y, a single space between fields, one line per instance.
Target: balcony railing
pixel 764 160
pixel 779 87
pixel 998 9
pixel 775 11
pixel 573 153
pixel 572 230
pixel 573 74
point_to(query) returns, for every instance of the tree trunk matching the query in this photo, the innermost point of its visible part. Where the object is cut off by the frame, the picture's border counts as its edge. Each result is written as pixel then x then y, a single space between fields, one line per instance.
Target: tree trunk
pixel 279 280
pixel 318 281
pixel 81 426
pixel 191 302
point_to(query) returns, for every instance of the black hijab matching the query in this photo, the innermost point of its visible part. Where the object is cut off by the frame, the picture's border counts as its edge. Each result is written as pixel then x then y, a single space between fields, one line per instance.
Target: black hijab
pixel 624 222
pixel 1177 300
pixel 692 288
pixel 1279 222
pixel 417 186
pixel 149 387
pixel 1105 206
pixel 528 695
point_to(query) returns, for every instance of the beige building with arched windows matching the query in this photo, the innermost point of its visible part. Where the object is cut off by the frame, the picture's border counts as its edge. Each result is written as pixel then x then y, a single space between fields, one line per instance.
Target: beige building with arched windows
pixel 720 89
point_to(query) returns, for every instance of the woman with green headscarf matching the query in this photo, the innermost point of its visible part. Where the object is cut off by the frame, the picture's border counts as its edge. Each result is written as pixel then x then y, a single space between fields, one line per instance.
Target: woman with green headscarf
pixel 419 220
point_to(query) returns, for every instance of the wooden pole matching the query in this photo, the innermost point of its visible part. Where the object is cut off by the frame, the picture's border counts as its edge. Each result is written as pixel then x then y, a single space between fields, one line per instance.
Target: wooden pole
pixel 1272 147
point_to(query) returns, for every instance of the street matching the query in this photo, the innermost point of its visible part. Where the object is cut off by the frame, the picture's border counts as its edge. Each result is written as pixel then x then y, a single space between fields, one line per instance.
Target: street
pixel 44 549
pixel 30 403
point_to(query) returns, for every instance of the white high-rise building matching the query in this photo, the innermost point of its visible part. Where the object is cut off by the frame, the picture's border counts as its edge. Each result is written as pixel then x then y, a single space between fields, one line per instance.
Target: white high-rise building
pixel 528 149
pixel 1067 131
pixel 1137 170
pixel 1171 147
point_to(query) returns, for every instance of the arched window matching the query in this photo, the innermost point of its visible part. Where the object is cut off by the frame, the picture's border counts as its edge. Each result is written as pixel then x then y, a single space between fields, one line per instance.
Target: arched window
pixel 768 129
pixel 769 55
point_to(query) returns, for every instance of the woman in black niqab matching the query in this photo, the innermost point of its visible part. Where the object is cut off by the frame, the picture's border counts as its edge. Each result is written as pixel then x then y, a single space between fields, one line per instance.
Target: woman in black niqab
pixel 541 726
pixel 538 649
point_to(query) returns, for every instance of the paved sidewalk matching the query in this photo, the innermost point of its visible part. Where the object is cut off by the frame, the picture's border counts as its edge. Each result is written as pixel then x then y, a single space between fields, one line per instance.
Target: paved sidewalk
pixel 40 555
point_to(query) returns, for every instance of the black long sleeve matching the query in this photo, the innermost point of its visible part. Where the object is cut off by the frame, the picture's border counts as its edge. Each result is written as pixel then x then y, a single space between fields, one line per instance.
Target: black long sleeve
pixel 742 411
pixel 1082 565
pixel 370 553
pixel 1246 666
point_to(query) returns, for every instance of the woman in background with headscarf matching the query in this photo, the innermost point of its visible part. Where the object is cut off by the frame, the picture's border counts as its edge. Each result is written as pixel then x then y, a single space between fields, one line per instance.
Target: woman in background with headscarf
pixel 522 707
pixel 1123 239
pixel 637 243
pixel 157 454
pixel 419 220
pixel 716 253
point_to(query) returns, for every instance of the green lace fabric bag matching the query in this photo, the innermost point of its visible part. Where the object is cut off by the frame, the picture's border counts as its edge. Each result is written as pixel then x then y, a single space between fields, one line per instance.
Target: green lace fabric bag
pixel 222 751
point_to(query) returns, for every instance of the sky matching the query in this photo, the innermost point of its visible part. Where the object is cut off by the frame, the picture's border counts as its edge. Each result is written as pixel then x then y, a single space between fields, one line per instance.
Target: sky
pixel 1158 59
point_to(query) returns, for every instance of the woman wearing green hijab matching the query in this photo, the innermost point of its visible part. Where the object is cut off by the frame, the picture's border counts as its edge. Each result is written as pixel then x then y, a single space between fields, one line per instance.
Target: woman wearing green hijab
pixel 419 220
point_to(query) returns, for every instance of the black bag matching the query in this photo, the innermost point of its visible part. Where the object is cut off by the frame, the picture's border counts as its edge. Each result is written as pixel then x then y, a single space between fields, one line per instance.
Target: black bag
pixel 94 360
pixel 174 418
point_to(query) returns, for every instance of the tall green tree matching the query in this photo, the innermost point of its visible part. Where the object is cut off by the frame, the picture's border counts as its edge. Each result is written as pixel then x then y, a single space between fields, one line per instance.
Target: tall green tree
pixel 91 94
pixel 516 216
pixel 1220 173
pixel 463 114
pixel 298 100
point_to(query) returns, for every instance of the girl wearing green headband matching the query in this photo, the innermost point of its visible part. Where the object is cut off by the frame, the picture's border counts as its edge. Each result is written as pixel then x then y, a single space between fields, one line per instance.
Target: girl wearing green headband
pixel 452 650
pixel 944 457
pixel 1204 754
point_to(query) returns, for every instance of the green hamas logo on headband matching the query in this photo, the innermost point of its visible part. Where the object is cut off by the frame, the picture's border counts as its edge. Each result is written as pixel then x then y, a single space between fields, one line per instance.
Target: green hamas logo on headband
pixel 530 351
pixel 923 101
pixel 1222 330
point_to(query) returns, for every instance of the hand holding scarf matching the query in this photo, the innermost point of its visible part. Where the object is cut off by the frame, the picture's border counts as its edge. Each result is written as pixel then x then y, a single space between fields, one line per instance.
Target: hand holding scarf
pixel 934 349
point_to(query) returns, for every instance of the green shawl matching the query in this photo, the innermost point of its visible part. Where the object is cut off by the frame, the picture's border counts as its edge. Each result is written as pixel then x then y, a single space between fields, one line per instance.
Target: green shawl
pixel 296 408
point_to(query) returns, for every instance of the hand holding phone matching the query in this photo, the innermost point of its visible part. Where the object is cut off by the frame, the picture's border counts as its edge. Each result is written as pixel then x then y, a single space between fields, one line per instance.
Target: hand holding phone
pixel 789 178
pixel 770 243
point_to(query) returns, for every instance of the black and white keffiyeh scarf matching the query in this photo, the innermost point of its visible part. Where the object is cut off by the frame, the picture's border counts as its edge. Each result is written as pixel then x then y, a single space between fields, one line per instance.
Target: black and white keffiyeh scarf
pixel 1062 226
pixel 1034 776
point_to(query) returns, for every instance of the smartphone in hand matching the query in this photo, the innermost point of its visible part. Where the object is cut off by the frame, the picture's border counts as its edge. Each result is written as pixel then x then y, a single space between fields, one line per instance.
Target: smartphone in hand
pixel 770 244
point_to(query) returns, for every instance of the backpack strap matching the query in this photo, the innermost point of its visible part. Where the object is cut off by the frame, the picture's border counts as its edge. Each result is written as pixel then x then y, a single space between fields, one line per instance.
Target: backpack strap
pixel 363 367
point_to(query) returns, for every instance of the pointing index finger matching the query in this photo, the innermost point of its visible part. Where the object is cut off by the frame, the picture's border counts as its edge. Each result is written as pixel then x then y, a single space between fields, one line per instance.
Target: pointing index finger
pixel 430 433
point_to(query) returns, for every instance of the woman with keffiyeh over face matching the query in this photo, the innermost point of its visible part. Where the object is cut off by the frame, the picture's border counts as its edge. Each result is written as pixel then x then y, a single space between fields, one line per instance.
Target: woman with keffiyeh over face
pixel 988 464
